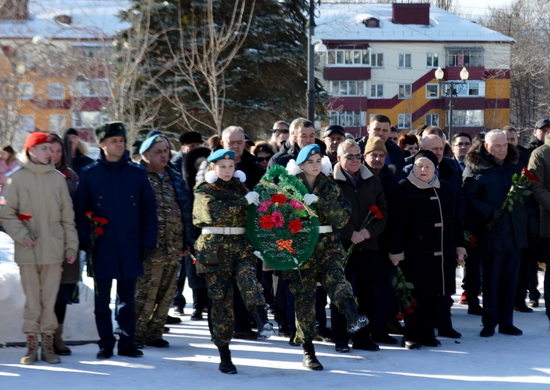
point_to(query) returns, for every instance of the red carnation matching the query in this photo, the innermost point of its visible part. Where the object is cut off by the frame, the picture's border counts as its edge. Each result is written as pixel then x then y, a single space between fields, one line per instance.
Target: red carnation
pixel 473 238
pixel 104 221
pixel 409 309
pixel 88 214
pixel 374 209
pixel 278 198
pixel 266 222
pixel 400 316
pixel 24 217
pixel 98 231
pixel 414 303
pixel 295 225
pixel 378 215
pixel 96 219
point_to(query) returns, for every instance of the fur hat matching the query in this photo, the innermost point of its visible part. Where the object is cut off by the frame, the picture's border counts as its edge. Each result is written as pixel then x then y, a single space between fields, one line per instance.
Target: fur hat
pixel 375 143
pixel 426 154
pixel 111 129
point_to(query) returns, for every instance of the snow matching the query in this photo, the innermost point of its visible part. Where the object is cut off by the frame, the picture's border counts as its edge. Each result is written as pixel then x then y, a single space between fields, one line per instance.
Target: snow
pixel 503 362
pixel 345 22
pixel 91 19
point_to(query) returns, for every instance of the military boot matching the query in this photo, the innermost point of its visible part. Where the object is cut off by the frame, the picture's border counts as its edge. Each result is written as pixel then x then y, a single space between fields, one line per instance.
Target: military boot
pixel 59 346
pixel 47 353
pixel 356 321
pixel 32 350
pixel 265 329
pixel 310 360
pixel 226 365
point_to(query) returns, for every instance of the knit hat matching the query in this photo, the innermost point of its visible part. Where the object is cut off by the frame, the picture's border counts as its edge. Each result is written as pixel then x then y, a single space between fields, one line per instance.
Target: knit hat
pixel 375 143
pixel 37 138
pixel 221 154
pixel 307 152
pixel 111 129
pixel 426 154
pixel 71 131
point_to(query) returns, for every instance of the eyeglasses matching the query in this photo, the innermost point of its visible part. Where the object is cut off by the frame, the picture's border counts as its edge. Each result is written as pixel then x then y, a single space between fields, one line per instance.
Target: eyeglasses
pixel 262 159
pixel 353 157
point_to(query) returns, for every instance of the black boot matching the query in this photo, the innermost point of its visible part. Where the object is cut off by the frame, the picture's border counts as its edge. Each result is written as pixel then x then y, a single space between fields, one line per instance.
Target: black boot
pixel 265 329
pixel 310 360
pixel 226 365
pixel 356 321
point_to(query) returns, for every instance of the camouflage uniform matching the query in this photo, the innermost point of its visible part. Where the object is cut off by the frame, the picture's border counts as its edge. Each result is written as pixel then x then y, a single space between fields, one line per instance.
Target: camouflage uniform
pixel 325 265
pixel 222 258
pixel 156 288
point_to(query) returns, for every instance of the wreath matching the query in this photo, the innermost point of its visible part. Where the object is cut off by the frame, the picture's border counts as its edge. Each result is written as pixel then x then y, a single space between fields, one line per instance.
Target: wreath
pixel 282 229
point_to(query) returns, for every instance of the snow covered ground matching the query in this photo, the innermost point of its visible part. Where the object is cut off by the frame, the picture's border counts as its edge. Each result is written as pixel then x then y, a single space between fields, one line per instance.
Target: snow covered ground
pixel 502 362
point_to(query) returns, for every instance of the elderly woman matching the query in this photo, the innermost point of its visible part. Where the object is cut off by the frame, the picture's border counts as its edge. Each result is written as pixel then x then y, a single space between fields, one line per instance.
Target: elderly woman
pixel 427 241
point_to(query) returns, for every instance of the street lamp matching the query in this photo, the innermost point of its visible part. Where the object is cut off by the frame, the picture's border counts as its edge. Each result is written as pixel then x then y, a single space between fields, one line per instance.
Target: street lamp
pixel 453 89
pixel 310 64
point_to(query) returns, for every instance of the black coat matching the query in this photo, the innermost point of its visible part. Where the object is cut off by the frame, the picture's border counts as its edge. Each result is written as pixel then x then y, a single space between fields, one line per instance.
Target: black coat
pixel 427 234
pixel 486 185
pixel 119 191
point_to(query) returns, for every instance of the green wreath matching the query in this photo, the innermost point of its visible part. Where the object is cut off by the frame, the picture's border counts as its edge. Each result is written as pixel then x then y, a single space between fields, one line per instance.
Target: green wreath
pixel 282 229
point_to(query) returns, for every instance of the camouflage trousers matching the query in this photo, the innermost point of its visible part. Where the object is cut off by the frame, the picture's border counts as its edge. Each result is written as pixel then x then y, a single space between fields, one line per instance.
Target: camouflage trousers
pixel 325 266
pixel 154 293
pixel 220 291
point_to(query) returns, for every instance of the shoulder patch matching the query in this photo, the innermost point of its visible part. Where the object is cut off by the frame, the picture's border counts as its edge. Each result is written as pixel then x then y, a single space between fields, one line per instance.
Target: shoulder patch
pixel 135 165
pixel 90 166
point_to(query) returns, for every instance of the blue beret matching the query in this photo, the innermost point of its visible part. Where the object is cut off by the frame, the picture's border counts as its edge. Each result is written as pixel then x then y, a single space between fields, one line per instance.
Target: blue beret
pixel 221 154
pixel 307 152
pixel 149 142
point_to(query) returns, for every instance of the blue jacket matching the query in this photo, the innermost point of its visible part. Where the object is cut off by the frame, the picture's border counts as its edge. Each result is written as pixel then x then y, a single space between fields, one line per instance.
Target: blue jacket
pixel 121 193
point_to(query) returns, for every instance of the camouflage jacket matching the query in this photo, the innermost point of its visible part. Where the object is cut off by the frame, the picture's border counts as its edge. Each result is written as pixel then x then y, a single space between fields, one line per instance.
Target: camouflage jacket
pixel 332 207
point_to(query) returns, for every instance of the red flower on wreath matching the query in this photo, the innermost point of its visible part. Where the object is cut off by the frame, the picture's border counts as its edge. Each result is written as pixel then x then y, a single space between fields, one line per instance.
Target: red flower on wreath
pixel 280 199
pixel 295 225
pixel 266 222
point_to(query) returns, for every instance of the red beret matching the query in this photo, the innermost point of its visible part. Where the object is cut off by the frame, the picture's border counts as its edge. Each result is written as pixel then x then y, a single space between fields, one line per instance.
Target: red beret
pixel 36 138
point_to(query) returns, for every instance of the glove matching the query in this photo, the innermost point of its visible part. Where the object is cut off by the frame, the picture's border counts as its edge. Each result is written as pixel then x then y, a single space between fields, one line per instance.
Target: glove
pixel 310 198
pixel 253 197
pixel 498 214
pixel 146 252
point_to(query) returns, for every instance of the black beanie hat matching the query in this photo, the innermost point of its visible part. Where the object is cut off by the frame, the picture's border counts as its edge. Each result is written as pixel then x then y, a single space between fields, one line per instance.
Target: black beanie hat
pixel 71 131
pixel 111 129
pixel 426 154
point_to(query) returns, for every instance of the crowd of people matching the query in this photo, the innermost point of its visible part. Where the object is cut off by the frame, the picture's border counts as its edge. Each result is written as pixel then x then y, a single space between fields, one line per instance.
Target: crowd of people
pixel 389 205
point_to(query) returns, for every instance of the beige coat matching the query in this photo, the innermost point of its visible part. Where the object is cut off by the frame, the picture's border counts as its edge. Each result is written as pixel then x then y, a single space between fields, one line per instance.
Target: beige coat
pixel 41 191
pixel 539 164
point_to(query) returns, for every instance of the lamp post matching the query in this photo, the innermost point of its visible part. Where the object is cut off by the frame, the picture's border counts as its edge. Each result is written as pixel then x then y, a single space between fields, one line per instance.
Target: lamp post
pixel 310 64
pixel 453 89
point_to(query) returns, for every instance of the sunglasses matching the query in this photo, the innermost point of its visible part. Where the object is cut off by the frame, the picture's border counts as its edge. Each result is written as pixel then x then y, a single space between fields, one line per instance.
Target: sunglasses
pixel 262 159
pixel 353 157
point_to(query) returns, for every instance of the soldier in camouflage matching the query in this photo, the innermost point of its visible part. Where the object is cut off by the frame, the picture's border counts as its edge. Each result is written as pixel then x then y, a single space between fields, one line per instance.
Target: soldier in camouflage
pixel 223 251
pixel 156 288
pixel 325 265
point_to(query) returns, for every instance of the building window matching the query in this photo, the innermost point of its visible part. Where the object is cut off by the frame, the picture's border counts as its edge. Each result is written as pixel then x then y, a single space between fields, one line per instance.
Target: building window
pixel 26 90
pixel 465 118
pixel 432 60
pixel 471 89
pixel 348 57
pixel 91 88
pixel 57 91
pixel 432 120
pixel 57 122
pixel 404 121
pixel 25 123
pixel 377 91
pixel 404 60
pixel 405 91
pixel 371 22
pixel 88 119
pixel 465 57
pixel 432 91
pixel 377 60
pixel 347 118
pixel 347 88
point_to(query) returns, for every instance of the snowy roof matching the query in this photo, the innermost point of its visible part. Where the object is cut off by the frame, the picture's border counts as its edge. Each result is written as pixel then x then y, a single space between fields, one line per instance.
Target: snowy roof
pixel 91 19
pixel 345 22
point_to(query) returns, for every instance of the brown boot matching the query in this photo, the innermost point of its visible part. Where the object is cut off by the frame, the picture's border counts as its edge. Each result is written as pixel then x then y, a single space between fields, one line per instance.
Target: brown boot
pixel 59 346
pixel 32 349
pixel 47 354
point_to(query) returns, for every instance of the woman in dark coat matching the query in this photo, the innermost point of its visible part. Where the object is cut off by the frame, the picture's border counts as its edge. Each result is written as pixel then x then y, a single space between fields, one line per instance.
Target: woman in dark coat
pixel 426 241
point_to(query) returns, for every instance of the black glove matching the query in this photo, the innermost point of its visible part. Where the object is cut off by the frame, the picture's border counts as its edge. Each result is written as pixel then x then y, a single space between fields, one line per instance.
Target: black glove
pixel 498 214
pixel 146 252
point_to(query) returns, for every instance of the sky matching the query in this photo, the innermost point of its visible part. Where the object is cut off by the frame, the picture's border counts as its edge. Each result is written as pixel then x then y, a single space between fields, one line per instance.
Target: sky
pixel 479 7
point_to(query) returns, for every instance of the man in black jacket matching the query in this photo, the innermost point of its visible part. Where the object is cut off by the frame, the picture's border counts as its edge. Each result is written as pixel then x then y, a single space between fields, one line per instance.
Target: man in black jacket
pixel 302 133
